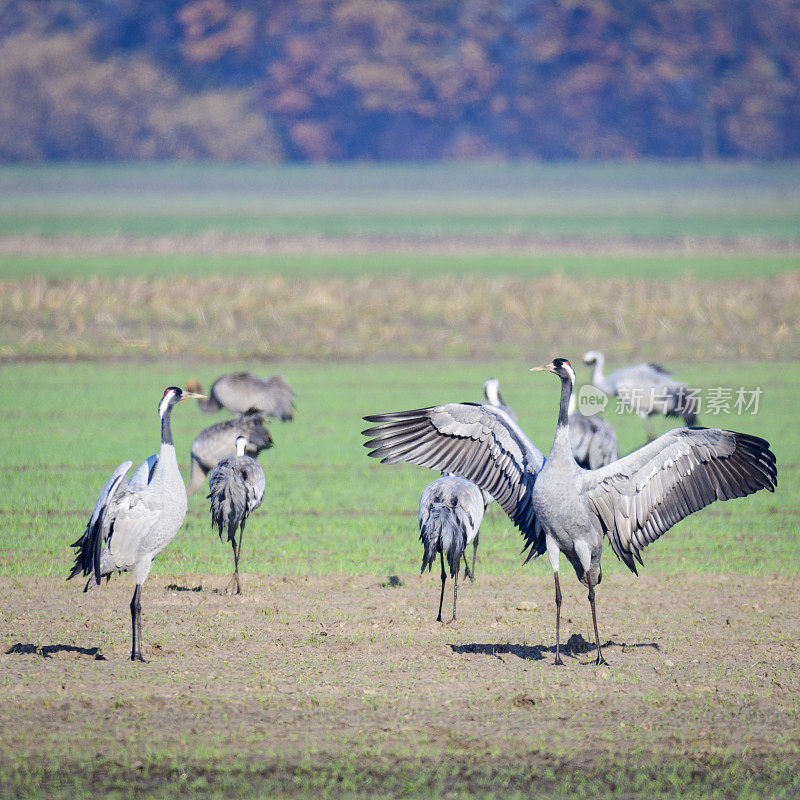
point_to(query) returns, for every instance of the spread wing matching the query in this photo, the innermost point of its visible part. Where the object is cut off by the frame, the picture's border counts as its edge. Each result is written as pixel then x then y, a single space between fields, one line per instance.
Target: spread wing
pixel 639 497
pixel 478 442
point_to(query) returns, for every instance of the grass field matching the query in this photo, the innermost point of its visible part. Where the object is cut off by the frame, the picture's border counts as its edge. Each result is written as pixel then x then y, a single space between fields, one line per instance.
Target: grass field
pixel 414 266
pixel 631 200
pixel 330 509
pixel 402 286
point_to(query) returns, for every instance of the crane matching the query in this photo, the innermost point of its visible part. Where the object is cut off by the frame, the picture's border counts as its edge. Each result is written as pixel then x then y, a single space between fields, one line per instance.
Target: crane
pixel 236 487
pixel 450 513
pixel 219 441
pixel 560 507
pixel 647 389
pixel 132 523
pixel 242 391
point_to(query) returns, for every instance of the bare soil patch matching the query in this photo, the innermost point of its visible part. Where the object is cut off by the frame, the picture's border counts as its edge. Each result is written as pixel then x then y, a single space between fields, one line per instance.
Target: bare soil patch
pixel 703 670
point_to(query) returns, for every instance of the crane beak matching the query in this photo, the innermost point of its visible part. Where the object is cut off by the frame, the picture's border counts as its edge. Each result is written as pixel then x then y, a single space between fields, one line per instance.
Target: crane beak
pixel 192 395
pixel 546 368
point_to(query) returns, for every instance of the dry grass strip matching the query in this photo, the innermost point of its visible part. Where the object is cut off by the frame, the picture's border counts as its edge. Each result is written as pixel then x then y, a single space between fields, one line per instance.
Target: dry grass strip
pixel 218 244
pixel 380 318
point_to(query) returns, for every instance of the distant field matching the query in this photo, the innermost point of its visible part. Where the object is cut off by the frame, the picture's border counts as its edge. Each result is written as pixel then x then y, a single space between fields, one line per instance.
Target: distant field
pixel 728 201
pixel 329 508
pixel 417 265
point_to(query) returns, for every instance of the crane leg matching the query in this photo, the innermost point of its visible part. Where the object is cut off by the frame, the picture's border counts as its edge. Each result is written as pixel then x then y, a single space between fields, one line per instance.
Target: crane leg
pixel 467 573
pixel 441 596
pixel 474 556
pixel 136 624
pixel 600 659
pixel 558 620
pixel 234 584
pixel 649 428
pixel 455 590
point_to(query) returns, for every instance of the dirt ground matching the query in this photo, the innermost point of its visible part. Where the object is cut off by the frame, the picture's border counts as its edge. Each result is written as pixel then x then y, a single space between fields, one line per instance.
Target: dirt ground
pixel 702 670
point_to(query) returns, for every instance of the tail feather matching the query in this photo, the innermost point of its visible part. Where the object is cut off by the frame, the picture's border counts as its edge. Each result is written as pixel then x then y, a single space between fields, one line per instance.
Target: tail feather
pixel 442 532
pixel 229 503
pixel 684 405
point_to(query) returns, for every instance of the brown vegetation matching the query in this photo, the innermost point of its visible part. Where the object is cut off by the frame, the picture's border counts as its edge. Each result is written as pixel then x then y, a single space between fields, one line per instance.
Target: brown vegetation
pixel 404 79
pixel 379 318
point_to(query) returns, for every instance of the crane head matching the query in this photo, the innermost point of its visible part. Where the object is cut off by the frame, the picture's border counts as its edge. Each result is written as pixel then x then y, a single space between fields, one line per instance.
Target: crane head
pixel 591 357
pixel 560 367
pixel 172 396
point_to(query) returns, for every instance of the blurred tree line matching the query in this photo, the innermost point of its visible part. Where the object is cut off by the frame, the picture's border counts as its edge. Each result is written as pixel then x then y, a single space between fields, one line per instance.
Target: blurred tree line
pixel 399 79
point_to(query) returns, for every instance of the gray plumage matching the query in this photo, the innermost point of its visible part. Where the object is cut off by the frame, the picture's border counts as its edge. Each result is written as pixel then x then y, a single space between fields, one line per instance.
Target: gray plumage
pixel 646 389
pixel 219 441
pixel 450 514
pixel 560 507
pixel 593 439
pixel 133 522
pixel 240 392
pixel 236 487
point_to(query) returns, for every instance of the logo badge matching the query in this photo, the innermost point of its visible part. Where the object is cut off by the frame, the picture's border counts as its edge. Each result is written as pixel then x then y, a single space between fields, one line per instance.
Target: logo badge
pixel 591 400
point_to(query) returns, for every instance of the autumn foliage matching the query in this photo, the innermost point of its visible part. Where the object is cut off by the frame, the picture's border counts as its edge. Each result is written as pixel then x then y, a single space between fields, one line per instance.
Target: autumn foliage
pixel 399 79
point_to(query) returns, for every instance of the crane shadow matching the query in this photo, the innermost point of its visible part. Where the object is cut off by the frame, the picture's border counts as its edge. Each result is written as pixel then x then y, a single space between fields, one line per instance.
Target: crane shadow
pixel 50 650
pixel 175 587
pixel 575 646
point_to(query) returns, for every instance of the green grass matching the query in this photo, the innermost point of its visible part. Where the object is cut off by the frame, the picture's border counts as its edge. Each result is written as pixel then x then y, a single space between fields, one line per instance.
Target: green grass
pixel 362 774
pixel 328 508
pixel 632 200
pixel 419 265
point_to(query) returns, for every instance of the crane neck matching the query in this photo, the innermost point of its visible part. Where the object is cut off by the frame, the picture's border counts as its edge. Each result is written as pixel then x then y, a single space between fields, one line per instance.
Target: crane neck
pixel 597 372
pixel 562 444
pixel 166 428
pixel 563 408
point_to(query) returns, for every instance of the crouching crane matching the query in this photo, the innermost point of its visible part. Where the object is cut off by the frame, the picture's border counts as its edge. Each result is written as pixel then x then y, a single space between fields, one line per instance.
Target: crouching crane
pixel 219 441
pixel 132 523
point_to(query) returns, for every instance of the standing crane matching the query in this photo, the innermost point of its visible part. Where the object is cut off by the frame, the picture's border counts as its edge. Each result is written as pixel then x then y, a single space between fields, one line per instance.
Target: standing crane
pixel 236 490
pixel 240 392
pixel 647 389
pixel 219 441
pixel 131 524
pixel 560 507
pixel 450 513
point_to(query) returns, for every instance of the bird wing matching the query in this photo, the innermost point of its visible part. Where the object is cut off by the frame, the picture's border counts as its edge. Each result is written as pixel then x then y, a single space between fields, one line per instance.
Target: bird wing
pixel 144 474
pixel 478 442
pixel 90 544
pixel 134 518
pixel 641 496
